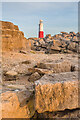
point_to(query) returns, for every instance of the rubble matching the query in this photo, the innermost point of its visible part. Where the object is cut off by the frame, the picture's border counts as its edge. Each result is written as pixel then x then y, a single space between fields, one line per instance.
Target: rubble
pixel 60 43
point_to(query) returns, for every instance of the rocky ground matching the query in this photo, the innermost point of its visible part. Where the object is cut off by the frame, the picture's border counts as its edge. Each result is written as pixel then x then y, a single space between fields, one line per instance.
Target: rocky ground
pixel 59 43
pixel 22 86
pixel 39 77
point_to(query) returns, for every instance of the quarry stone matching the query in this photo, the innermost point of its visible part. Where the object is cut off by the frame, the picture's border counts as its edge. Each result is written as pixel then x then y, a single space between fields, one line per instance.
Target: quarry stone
pixel 35 76
pixel 12 38
pixel 57 92
pixel 11 105
pixel 57 67
pixel 11 75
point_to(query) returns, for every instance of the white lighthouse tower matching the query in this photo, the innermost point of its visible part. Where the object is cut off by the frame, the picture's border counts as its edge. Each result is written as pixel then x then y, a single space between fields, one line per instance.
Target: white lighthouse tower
pixel 41 33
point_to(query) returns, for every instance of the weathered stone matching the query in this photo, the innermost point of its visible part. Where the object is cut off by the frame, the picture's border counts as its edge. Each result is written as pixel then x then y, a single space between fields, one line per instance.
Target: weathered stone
pixel 56 36
pixel 55 48
pixel 35 76
pixel 57 92
pixel 41 42
pixel 75 68
pixel 7 25
pixel 75 39
pixel 67 51
pixel 64 33
pixel 22 68
pixel 48 36
pixel 63 44
pixel 40 71
pixel 56 43
pixel 11 75
pixel 61 66
pixel 13 107
pixel 72 33
pixel 71 46
pixel 66 114
pixel 12 38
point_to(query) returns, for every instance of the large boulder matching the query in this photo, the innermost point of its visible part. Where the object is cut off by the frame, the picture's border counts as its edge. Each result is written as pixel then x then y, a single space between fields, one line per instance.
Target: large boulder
pixel 17 105
pixel 57 43
pixel 57 92
pixel 72 46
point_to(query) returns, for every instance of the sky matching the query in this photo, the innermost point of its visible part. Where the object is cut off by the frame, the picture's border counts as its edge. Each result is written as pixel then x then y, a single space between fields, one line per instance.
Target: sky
pixel 56 16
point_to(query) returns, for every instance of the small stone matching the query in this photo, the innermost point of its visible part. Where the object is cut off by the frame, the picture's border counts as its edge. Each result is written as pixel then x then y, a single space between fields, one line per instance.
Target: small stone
pixel 11 75
pixel 40 71
pixel 35 76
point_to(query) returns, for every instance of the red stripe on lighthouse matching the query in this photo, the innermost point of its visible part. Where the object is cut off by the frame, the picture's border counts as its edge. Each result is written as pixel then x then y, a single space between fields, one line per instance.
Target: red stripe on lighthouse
pixel 41 34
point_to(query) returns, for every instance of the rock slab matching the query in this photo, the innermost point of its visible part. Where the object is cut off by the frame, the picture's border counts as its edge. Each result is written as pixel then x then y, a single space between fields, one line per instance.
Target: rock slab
pixel 57 92
pixel 17 104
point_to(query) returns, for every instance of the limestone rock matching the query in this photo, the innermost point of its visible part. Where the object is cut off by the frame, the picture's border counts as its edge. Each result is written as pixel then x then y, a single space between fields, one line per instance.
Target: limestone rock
pixel 11 75
pixel 57 67
pixel 12 108
pixel 71 46
pixel 56 48
pixel 12 38
pixel 35 76
pixel 57 43
pixel 41 42
pixel 48 36
pixel 75 39
pixel 40 71
pixel 57 92
pixel 22 69
pixel 64 33
pixel 63 44
pixel 66 114
pixel 72 33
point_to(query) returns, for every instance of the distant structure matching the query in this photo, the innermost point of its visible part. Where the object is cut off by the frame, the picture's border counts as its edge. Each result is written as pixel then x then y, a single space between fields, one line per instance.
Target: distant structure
pixel 41 33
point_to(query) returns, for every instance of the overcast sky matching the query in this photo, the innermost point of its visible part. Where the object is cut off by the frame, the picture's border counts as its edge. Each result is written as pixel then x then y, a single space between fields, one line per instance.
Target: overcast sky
pixel 56 16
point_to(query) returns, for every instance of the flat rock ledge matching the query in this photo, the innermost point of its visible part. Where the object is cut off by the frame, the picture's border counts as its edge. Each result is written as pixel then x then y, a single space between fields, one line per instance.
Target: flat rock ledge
pixel 57 92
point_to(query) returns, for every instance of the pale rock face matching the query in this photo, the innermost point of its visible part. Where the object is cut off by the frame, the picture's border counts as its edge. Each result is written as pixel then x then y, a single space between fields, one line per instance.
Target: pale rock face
pixel 11 73
pixel 11 106
pixel 12 38
pixel 57 92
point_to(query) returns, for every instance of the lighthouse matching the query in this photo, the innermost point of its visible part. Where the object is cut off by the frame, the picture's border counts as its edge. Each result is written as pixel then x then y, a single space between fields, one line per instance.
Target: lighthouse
pixel 41 33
